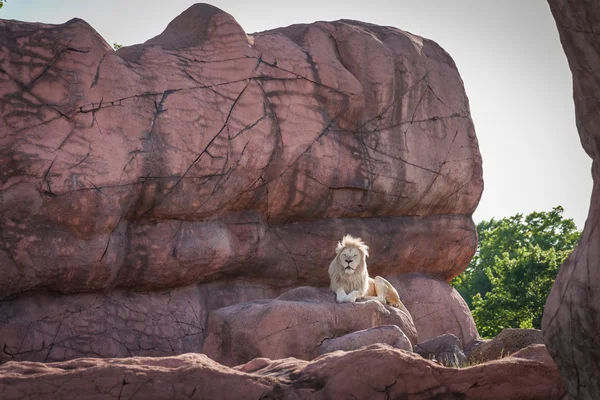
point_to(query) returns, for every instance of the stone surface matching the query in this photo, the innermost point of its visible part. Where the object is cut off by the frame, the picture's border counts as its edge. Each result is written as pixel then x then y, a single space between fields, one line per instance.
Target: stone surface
pixel 50 327
pixel 436 307
pixel 447 349
pixel 537 352
pixel 508 341
pixel 206 154
pixel 293 325
pixel 386 334
pixel 375 372
pixel 570 322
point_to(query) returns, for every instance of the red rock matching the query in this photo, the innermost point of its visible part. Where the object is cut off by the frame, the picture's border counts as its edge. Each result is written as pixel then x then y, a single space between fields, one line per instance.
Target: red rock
pixel 293 325
pixel 49 327
pixel 572 311
pixel 206 154
pixel 374 372
pixel 386 334
pixel 537 352
pixel 436 307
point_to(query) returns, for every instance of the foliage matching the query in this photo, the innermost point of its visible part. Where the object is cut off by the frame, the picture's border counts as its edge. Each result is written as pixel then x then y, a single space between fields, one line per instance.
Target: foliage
pixel 517 260
pixel 2 3
pixel 117 46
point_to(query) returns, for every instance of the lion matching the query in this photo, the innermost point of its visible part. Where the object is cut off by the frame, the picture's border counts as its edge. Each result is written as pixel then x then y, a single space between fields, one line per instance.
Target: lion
pixel 350 279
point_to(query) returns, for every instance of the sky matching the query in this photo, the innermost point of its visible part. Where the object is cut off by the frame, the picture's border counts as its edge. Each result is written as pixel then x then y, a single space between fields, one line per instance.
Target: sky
pixel 508 54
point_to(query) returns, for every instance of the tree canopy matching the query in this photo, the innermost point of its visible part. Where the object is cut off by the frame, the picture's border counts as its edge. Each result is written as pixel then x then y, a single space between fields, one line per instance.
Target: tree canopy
pixel 517 260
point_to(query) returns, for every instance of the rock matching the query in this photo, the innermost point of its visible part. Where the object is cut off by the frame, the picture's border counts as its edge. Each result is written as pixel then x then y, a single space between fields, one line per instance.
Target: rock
pixel 293 325
pixel 436 308
pixel 206 154
pixel 447 349
pixel 508 341
pixel 536 352
pixel 49 327
pixel 373 372
pixel 572 311
pixel 387 334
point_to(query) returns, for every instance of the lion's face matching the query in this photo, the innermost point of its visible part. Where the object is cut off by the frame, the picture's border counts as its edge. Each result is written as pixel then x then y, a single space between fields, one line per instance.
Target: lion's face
pixel 350 258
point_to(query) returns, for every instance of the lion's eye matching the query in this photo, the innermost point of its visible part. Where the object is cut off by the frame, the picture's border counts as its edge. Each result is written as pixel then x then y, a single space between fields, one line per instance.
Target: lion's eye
pixel 354 256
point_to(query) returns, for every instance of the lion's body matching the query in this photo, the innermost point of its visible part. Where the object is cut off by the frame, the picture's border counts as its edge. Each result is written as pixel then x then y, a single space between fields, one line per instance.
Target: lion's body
pixel 349 277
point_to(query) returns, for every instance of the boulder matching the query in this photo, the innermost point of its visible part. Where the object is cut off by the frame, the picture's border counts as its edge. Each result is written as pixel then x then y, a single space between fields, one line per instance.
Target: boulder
pixel 373 372
pixel 206 154
pixel 570 322
pixel 295 325
pixel 508 341
pixel 386 334
pixel 536 352
pixel 436 308
pixel 446 349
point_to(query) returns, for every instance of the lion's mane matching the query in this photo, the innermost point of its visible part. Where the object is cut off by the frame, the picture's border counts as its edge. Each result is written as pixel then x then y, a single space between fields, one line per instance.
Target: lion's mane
pixel 359 280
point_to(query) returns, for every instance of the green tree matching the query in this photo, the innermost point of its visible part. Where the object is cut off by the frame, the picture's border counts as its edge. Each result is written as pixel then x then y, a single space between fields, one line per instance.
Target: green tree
pixel 117 46
pixel 517 260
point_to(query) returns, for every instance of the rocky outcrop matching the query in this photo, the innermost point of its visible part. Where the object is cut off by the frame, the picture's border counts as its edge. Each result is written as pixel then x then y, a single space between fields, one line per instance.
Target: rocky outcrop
pixel 206 154
pixel 295 324
pixel 445 349
pixel 52 327
pixel 436 307
pixel 385 334
pixel 374 372
pixel 143 189
pixel 508 341
pixel 570 323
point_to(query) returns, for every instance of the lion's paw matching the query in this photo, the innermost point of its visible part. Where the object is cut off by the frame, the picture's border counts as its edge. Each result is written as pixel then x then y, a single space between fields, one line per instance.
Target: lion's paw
pixel 353 296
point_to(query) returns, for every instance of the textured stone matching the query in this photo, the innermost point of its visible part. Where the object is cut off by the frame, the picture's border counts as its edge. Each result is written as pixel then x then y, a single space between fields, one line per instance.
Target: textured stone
pixel 386 334
pixel 570 322
pixel 293 325
pixel 537 352
pixel 50 327
pixel 206 154
pixel 375 372
pixel 436 307
pixel 508 341
pixel 447 349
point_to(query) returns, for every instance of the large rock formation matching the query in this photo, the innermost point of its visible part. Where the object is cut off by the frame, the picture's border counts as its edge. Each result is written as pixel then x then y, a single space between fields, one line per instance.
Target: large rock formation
pixel 374 372
pixel 206 154
pixel 293 325
pixel 140 190
pixel 50 327
pixel 571 322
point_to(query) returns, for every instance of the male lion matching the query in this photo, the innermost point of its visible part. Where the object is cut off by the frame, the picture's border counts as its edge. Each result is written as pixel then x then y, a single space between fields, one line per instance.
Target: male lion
pixel 350 279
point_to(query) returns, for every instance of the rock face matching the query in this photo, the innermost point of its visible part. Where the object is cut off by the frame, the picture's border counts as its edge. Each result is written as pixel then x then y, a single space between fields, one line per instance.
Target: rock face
pixel 206 154
pixel 293 325
pixel 386 334
pixel 508 341
pixel 446 349
pixel 374 372
pixel 570 322
pixel 436 307
pixel 52 327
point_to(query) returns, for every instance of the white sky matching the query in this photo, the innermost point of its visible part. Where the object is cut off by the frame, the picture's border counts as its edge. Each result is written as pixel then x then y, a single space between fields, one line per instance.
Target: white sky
pixel 507 51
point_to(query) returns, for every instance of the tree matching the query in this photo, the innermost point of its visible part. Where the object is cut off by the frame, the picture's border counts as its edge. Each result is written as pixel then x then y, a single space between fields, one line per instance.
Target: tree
pixel 117 46
pixel 2 3
pixel 516 263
